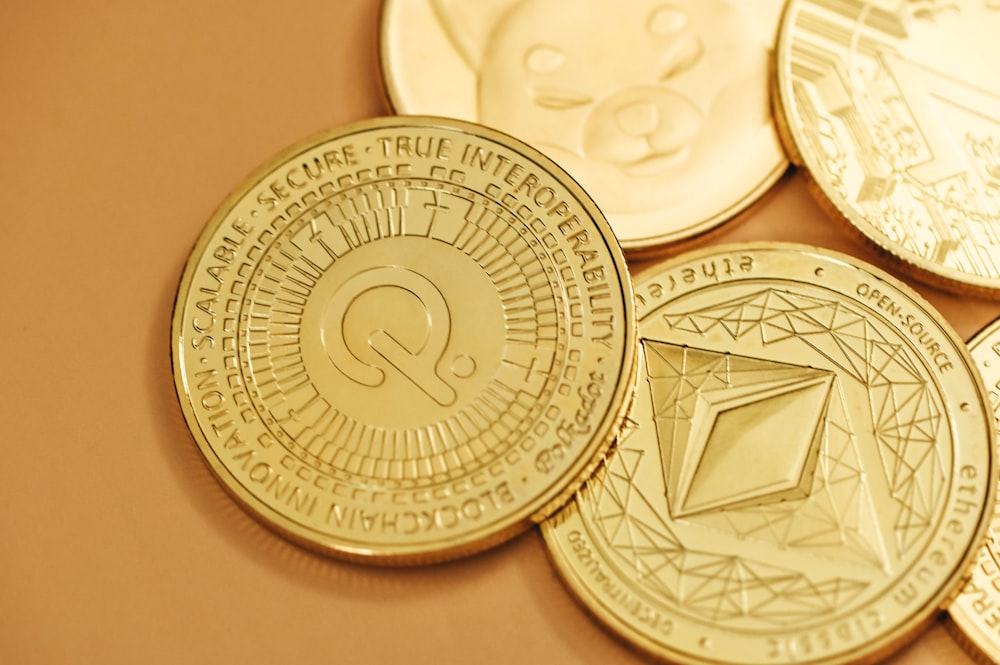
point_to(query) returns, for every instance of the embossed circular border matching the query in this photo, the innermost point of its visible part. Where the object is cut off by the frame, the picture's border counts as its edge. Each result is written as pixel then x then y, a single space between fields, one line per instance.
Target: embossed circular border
pixel 297 223
pixel 887 642
pixel 558 490
pixel 964 623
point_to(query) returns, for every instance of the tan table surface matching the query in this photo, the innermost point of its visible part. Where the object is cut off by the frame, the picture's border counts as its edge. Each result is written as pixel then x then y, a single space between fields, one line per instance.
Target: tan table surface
pixel 122 126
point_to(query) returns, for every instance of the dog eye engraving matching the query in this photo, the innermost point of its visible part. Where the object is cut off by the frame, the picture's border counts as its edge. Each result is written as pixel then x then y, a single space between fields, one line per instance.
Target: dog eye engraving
pixel 543 58
pixel 666 20
pixel 559 99
pixel 684 57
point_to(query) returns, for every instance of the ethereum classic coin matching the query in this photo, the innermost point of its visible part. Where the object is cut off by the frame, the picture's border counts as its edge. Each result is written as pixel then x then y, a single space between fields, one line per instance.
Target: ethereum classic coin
pixel 807 474
pixel 894 111
pixel 976 611
pixel 404 340
pixel 660 110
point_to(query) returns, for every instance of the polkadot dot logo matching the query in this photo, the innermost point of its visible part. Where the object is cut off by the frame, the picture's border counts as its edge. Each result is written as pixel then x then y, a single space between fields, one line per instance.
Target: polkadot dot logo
pixel 392 319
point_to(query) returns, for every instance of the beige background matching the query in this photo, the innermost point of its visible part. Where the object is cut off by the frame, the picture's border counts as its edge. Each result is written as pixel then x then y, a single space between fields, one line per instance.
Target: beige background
pixel 122 125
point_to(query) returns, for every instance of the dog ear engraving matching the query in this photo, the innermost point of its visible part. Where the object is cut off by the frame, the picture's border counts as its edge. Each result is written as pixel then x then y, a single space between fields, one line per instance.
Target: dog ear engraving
pixel 469 24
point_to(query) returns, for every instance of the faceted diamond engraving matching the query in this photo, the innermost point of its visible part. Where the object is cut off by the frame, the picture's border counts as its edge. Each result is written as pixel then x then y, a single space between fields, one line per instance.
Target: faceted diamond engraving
pixel 734 431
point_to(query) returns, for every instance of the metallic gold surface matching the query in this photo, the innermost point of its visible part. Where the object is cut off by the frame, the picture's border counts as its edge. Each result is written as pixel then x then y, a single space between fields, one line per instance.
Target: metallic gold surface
pixel 660 111
pixel 807 472
pixel 894 111
pixel 975 613
pixel 405 339
pixel 125 125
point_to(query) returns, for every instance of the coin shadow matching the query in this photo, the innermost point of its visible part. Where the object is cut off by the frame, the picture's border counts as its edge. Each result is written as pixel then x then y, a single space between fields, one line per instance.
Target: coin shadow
pixel 935 646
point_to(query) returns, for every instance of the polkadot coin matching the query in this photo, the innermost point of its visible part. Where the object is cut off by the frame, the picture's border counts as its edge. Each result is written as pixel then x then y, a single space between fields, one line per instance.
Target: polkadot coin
pixel 404 340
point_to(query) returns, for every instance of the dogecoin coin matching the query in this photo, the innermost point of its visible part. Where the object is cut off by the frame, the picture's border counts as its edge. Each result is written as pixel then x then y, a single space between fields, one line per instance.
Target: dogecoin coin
pixel 975 614
pixel 660 110
pixel 893 109
pixel 404 340
pixel 807 471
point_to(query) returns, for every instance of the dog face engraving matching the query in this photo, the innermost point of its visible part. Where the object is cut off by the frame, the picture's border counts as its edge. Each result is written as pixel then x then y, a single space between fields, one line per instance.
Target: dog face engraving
pixel 638 103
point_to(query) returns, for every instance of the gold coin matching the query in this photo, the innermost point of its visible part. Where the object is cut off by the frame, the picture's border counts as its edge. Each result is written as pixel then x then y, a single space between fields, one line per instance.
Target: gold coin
pixel 807 471
pixel 660 110
pixel 893 109
pixel 976 611
pixel 404 340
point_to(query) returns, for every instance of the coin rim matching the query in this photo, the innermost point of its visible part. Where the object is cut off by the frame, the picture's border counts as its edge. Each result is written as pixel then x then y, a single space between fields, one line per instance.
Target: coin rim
pixel 908 263
pixel 891 641
pixel 558 490
pixel 963 628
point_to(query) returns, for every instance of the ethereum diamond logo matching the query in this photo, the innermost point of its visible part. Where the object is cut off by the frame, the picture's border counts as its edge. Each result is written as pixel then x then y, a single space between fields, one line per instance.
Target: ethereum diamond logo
pixel 734 431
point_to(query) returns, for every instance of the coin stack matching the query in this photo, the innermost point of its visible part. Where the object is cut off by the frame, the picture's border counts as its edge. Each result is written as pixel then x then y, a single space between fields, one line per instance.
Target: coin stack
pixel 408 339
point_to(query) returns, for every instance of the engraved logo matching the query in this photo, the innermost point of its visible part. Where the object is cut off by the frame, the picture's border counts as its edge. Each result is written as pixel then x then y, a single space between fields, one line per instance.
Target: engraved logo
pixel 757 449
pixel 415 343
pixel 842 459
pixel 716 428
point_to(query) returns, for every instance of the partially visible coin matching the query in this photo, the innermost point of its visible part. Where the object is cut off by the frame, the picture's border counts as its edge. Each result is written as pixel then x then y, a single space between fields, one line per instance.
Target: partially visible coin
pixel 660 110
pixel 976 611
pixel 405 340
pixel 893 109
pixel 808 473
